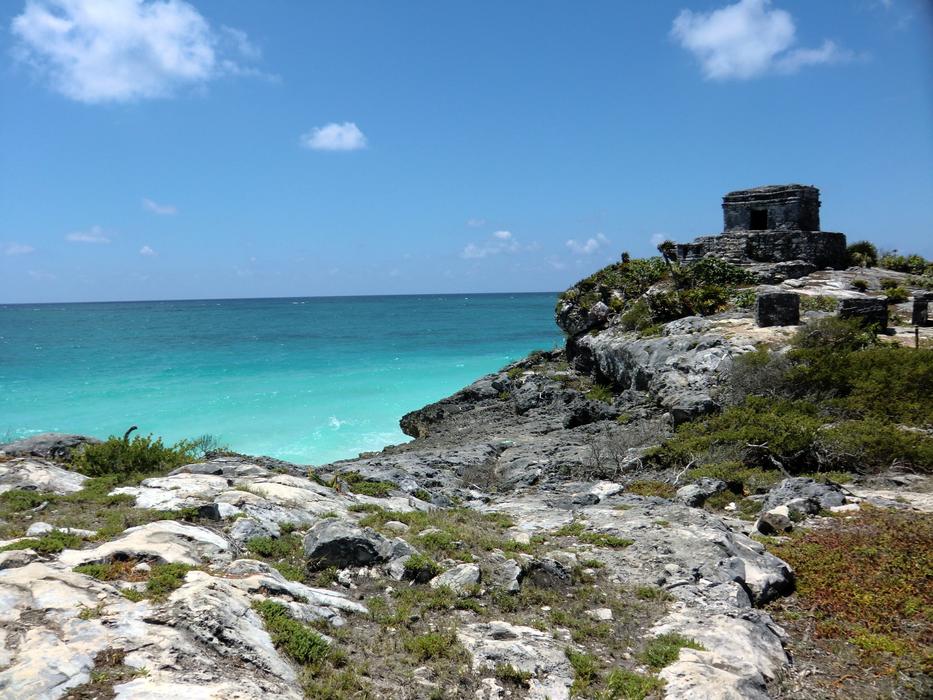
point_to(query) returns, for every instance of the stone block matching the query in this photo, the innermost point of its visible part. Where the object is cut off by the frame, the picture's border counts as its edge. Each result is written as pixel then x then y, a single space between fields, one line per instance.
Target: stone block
pixel 871 311
pixel 920 314
pixel 777 309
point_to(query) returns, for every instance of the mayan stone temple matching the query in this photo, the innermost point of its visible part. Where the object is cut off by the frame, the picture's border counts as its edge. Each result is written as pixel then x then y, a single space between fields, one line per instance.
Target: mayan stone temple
pixel 776 230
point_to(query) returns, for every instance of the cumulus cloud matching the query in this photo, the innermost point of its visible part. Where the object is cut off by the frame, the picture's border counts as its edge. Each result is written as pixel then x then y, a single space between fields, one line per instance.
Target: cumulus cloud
pixel 18 249
pixel 334 137
pixel 97 51
pixel 160 209
pixel 147 251
pixel 748 39
pixel 589 246
pixel 95 234
pixel 499 242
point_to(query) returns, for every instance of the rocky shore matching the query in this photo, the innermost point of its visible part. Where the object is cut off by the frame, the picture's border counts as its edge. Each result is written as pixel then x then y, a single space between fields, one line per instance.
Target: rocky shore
pixel 524 544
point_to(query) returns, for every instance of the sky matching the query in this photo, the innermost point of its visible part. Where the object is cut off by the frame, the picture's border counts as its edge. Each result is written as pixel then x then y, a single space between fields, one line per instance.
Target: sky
pixel 229 148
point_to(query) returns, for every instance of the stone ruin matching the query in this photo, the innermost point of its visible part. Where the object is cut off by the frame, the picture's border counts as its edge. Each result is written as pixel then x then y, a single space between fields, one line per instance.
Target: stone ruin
pixel 920 311
pixel 775 231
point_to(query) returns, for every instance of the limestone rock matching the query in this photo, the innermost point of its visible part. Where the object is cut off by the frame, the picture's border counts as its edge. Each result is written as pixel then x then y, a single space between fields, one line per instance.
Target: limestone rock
pixel 165 540
pixel 458 579
pixel 38 475
pixel 524 648
pixel 826 495
pixel 774 522
pixel 335 543
pixel 695 493
pixel 48 445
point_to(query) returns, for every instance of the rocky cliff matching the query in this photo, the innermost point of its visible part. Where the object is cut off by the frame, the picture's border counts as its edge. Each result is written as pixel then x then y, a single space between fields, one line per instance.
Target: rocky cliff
pixel 535 539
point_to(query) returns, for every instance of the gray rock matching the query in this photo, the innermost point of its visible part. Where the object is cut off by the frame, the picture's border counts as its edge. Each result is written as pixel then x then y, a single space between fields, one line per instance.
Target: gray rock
pixel 33 474
pixel 16 558
pixel 695 493
pixel 503 573
pixel 547 573
pixel 335 543
pixel 458 579
pixel 48 445
pixel 826 495
pixel 869 310
pixel 245 529
pixel 774 522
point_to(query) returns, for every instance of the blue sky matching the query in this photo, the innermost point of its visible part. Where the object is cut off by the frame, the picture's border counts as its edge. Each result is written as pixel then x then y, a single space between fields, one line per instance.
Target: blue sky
pixel 154 150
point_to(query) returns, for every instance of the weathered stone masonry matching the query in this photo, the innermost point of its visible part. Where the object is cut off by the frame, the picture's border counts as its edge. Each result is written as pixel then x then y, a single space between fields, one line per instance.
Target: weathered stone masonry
pixel 772 224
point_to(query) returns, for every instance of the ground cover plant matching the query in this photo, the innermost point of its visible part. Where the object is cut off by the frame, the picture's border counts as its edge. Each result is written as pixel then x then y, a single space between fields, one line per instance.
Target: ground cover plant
pixel 864 591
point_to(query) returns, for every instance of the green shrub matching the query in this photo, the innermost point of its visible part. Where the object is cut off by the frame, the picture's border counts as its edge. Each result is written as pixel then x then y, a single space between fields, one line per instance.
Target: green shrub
pixel 622 684
pixel 421 568
pixel 124 457
pixel 368 487
pixel 739 478
pixel 297 641
pixel 165 578
pixel 888 283
pixel 712 271
pixel 50 543
pixel 913 264
pixel 433 645
pixel 17 500
pixel 862 254
pixel 585 670
pixel 600 392
pixel 649 487
pixel 510 675
pixel 872 445
pixel 897 295
pixel 860 284
pixel 664 649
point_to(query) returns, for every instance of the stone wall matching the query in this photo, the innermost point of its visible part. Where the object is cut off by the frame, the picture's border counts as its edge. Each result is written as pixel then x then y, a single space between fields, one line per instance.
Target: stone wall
pixel 820 248
pixel 780 207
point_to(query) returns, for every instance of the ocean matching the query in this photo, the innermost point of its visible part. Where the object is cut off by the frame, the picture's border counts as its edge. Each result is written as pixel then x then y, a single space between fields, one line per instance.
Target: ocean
pixel 309 380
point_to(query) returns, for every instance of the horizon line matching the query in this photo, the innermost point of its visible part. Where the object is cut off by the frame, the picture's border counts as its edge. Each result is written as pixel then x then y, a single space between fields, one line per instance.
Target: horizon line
pixel 270 298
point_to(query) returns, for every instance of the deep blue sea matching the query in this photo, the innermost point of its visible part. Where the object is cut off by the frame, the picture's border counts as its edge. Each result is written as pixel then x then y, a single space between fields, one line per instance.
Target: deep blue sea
pixel 308 380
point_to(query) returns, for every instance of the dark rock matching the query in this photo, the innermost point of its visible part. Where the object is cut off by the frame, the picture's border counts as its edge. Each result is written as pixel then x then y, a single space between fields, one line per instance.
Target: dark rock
pixel 335 543
pixel 696 493
pixel 826 495
pixel 48 445
pixel 585 411
pixel 777 309
pixel 869 310
pixel 774 523
pixel 547 573
pixel 920 309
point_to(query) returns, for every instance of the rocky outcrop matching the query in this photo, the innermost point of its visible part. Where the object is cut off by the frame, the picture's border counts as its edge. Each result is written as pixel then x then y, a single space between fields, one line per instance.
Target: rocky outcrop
pixel 39 475
pixel 47 445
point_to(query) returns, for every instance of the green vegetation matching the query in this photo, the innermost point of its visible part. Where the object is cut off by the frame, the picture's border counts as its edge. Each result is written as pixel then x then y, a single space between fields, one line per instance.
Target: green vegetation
pixel 664 649
pixel 862 254
pixel 434 645
pixel 860 285
pixel 913 264
pixel 421 568
pixel 125 457
pixel 622 684
pixel 600 392
pixel 160 580
pixel 839 400
pixel 866 581
pixel 17 500
pixel 51 543
pixel 510 675
pixel 810 302
pixel 297 641
pixel 897 295
pixel 648 487
pixel 284 553
pixel 367 487
pixel 585 670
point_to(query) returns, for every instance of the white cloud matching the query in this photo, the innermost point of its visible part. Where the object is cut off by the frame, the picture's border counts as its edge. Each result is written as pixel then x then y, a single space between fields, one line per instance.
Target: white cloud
pixel 334 137
pixel 589 246
pixel 93 235
pixel 18 249
pixel 161 209
pixel 146 250
pixel 748 39
pixel 500 242
pixel 40 275
pixel 122 50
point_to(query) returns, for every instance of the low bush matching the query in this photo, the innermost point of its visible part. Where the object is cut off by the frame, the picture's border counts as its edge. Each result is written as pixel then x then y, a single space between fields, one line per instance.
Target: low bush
pixel 434 645
pixel 123 457
pixel 897 295
pixel 297 641
pixel 421 568
pixel 664 649
pixel 622 684
pixel 51 543
pixel 862 254
pixel 860 285
pixel 866 580
pixel 367 487
pixel 913 264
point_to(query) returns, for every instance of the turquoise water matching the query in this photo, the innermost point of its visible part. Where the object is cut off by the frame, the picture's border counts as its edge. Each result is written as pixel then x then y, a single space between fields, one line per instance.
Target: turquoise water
pixel 307 380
